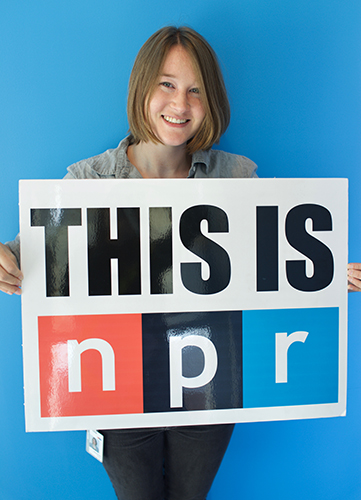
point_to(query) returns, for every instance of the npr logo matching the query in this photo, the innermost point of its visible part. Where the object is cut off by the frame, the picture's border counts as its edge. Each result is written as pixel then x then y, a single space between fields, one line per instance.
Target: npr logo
pixel 146 363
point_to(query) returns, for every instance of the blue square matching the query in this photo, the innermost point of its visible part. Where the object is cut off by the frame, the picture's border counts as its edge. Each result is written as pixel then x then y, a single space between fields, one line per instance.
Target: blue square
pixel 311 359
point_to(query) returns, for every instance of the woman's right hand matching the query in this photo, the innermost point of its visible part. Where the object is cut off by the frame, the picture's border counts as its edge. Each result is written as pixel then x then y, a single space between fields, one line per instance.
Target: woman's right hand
pixel 10 275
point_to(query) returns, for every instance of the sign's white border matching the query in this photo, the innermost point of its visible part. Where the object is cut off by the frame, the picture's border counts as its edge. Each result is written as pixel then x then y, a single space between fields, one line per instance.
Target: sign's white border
pixel 239 199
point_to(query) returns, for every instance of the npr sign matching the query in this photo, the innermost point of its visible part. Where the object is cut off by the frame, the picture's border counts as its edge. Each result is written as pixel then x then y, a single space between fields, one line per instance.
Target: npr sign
pixel 175 302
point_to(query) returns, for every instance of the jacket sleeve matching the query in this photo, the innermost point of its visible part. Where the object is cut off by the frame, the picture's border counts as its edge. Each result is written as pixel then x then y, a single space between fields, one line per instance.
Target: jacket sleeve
pixel 14 246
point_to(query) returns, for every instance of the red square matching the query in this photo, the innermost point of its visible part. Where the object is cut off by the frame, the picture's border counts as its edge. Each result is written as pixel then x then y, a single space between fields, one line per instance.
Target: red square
pixel 106 365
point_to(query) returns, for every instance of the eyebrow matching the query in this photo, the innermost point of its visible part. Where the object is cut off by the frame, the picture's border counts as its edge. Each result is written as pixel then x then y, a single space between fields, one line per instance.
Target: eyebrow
pixel 166 75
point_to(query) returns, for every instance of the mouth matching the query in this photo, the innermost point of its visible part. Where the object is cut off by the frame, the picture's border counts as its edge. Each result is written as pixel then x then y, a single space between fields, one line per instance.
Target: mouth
pixel 174 121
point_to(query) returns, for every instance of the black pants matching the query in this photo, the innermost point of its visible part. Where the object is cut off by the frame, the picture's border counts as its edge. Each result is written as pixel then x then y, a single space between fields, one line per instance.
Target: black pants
pixel 175 463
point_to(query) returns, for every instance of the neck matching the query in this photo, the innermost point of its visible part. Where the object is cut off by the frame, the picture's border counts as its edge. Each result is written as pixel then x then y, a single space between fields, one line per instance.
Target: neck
pixel 159 161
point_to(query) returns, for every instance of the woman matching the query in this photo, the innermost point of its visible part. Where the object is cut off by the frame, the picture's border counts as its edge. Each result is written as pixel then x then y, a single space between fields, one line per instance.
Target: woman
pixel 177 109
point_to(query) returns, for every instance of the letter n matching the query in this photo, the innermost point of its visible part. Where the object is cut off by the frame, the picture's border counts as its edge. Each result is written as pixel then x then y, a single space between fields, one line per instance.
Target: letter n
pixel 74 363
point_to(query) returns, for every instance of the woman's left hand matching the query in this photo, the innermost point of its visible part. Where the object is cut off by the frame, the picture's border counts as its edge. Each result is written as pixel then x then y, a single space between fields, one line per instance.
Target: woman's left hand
pixel 354 277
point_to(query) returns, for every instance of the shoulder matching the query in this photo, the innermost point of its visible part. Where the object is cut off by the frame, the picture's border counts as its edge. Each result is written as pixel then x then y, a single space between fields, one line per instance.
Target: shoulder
pixel 106 165
pixel 225 165
pixel 231 165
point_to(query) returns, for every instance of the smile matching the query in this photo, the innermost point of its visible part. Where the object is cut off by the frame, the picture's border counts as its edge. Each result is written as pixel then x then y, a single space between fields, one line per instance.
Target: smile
pixel 170 119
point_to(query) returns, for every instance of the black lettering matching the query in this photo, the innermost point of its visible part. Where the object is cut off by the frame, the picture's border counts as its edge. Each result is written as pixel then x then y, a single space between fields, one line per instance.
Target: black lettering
pixel 309 246
pixel 101 249
pixel 208 250
pixel 161 250
pixel 267 249
pixel 56 222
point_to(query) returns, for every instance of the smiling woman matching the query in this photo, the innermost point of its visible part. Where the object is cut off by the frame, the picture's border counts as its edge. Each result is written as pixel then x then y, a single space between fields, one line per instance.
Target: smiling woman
pixel 149 71
pixel 177 109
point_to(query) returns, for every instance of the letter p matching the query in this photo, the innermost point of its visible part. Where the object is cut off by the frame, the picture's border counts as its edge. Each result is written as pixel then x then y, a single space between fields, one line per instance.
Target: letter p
pixel 177 380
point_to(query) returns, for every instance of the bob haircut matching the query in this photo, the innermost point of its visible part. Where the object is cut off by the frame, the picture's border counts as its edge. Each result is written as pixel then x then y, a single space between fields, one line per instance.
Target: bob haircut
pixel 144 78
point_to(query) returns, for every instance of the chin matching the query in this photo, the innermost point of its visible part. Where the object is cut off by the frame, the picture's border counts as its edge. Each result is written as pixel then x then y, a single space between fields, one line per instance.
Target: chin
pixel 175 142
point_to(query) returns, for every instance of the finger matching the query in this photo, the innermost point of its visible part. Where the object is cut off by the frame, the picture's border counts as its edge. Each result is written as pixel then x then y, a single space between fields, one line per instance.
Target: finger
pixel 352 288
pixel 352 273
pixel 356 283
pixel 354 265
pixel 9 279
pixel 8 262
pixel 12 269
pixel 10 289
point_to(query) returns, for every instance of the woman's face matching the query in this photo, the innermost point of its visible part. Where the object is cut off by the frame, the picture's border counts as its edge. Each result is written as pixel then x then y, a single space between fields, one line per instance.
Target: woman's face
pixel 175 108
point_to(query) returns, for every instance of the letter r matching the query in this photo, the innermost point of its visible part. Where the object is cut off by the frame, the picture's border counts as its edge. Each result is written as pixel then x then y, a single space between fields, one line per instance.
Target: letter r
pixel 283 342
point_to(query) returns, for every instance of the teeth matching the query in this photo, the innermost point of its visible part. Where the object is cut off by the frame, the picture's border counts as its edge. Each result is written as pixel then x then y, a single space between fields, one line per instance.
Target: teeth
pixel 170 119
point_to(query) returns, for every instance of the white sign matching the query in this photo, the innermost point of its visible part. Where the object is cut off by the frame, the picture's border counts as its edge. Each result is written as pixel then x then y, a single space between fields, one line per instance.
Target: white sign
pixel 177 302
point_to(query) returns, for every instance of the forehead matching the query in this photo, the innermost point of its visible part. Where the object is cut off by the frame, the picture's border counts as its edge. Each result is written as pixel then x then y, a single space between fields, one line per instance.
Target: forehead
pixel 178 62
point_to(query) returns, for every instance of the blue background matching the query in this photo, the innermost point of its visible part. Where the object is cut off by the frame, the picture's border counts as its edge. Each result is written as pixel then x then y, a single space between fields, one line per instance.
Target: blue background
pixel 293 71
pixel 312 365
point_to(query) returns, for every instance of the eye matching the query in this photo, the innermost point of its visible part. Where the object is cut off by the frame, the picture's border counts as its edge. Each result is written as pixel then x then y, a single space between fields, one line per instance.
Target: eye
pixel 166 84
pixel 195 90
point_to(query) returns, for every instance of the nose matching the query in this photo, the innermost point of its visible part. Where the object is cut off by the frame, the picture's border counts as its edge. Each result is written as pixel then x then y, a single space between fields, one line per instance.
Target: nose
pixel 180 101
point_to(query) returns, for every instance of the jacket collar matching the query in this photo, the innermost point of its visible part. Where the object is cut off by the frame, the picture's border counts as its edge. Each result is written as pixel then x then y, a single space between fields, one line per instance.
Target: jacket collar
pixel 198 158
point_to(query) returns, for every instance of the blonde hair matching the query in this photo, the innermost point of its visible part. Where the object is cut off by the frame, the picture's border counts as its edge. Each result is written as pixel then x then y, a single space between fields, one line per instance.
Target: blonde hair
pixel 143 80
